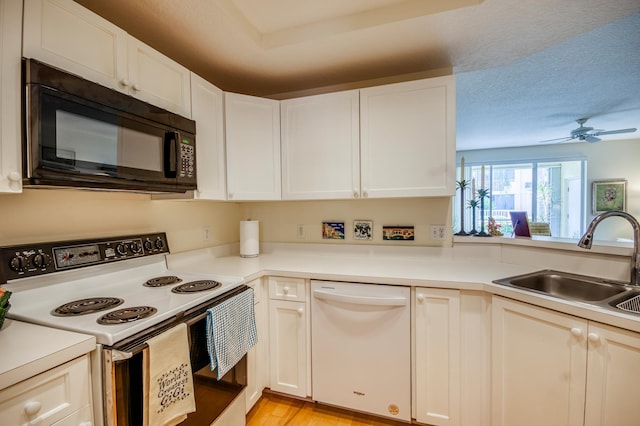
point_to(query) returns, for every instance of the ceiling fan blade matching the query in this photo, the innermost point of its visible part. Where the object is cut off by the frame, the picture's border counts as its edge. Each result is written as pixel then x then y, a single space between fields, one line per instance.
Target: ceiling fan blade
pixel 613 132
pixel 565 139
pixel 592 139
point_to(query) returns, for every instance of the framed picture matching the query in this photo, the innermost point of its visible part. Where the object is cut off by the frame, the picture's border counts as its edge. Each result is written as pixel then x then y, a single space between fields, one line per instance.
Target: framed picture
pixel 608 195
pixel 362 230
pixel 405 233
pixel 333 230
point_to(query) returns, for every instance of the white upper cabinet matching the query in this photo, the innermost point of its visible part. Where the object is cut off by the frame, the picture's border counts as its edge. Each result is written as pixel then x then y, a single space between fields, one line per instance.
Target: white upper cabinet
pixel 252 127
pixel 10 135
pixel 407 139
pixel 321 146
pixel 68 36
pixel 207 102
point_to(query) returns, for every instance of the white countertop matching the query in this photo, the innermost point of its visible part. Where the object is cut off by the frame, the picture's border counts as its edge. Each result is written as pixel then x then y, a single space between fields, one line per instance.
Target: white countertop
pixel 28 349
pixel 465 269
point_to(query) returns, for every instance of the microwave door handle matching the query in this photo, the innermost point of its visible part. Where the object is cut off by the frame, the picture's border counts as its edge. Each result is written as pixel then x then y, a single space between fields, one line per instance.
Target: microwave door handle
pixel 171 154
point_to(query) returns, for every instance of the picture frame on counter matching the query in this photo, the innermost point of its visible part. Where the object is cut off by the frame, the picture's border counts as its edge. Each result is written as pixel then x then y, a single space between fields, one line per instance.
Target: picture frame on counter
pixel 362 230
pixel 608 195
pixel 333 230
pixel 398 233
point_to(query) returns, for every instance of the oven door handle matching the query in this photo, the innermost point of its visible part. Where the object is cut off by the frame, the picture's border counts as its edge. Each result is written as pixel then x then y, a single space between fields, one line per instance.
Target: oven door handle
pixel 117 355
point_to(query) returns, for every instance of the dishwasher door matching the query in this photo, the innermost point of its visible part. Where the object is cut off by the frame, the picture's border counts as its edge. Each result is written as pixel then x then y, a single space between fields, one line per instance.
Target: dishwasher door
pixel 361 347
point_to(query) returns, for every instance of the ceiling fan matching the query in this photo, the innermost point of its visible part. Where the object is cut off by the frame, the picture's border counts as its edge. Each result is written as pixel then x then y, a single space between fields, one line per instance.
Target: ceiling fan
pixel 589 134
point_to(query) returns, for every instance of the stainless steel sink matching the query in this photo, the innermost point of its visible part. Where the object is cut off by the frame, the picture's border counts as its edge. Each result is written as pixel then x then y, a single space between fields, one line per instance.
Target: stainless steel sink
pixel 568 286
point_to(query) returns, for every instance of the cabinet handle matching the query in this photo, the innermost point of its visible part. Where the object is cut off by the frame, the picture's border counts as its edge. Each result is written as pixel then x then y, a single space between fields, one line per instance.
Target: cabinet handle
pixel 355 193
pixel 593 338
pixel 135 87
pixel 576 332
pixel 365 194
pixel 31 408
pixel 285 290
pixel 300 312
pixel 421 298
pixel 231 195
pixel 14 176
pixel 124 82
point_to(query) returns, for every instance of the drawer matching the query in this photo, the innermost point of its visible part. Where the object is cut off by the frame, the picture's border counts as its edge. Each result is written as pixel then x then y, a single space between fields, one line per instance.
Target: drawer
pixel 282 288
pixel 49 397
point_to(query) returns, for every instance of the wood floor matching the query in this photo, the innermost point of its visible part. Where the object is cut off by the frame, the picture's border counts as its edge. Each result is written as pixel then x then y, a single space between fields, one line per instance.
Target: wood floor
pixel 276 410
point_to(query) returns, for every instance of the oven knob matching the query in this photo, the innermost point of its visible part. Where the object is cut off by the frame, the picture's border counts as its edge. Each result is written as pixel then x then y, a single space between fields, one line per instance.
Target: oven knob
pixel 41 260
pixel 135 248
pixel 18 263
pixel 159 244
pixel 148 245
pixel 121 249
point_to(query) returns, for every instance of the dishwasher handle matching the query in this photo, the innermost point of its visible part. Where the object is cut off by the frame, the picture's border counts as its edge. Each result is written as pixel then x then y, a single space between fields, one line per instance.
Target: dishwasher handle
pixel 360 300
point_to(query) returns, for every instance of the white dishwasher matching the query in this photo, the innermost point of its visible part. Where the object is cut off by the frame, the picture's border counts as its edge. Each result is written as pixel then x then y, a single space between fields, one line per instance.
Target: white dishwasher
pixel 361 347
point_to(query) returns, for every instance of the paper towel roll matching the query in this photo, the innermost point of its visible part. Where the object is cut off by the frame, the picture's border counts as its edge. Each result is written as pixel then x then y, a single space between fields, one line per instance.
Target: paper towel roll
pixel 249 238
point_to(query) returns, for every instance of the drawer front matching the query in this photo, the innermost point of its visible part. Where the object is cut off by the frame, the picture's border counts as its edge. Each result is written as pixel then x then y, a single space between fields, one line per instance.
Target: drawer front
pixel 48 397
pixel 282 288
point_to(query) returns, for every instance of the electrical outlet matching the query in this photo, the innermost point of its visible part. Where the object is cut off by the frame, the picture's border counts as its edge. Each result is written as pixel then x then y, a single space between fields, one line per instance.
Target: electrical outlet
pixel 300 232
pixel 438 232
pixel 206 233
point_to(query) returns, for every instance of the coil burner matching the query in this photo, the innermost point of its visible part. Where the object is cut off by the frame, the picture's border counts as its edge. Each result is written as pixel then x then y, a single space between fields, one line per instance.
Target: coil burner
pixel 86 306
pixel 162 281
pixel 125 315
pixel 195 286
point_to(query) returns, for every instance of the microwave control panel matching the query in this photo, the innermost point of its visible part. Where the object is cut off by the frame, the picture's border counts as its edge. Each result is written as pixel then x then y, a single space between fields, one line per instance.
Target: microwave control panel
pixel 43 258
pixel 187 159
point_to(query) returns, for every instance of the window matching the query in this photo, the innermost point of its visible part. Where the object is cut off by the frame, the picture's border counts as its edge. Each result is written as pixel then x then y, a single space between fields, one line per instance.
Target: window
pixel 549 191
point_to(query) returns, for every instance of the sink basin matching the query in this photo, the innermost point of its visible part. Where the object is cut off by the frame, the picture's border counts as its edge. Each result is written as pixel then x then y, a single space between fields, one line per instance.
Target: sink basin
pixel 566 286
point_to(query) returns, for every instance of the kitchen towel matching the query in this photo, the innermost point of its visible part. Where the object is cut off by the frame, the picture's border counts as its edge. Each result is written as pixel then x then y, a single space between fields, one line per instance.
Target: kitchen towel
pixel 231 331
pixel 169 382
pixel 249 238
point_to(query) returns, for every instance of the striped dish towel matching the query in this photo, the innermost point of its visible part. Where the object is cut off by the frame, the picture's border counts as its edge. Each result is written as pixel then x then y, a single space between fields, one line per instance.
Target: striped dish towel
pixel 231 331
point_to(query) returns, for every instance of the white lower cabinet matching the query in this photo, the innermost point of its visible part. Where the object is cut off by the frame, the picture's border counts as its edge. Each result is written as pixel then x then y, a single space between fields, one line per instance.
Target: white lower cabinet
pixel 437 359
pixel 257 357
pixel 289 324
pixel 451 357
pixel 60 396
pixel 613 373
pixel 556 369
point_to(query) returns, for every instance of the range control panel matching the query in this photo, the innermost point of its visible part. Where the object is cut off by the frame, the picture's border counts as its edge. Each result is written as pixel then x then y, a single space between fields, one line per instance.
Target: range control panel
pixel 43 258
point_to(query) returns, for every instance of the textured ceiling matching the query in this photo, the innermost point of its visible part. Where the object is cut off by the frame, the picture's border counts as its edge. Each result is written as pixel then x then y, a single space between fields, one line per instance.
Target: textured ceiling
pixel 526 69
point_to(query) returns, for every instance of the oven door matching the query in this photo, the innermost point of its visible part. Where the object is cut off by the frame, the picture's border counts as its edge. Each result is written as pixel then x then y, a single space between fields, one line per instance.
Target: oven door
pixel 123 374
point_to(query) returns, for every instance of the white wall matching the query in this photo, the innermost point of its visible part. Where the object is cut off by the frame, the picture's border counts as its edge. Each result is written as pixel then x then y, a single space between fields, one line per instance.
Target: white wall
pixel 606 159
pixel 52 215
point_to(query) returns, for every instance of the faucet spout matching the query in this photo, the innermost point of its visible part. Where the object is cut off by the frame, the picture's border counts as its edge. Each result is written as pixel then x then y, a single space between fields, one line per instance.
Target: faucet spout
pixel 587 239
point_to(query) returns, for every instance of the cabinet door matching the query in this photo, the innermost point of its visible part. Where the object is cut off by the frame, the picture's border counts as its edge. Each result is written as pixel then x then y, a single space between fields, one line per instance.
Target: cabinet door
pixel 68 36
pixel 256 357
pixel 612 376
pixel 407 145
pixel 539 362
pixel 156 79
pixel 252 128
pixel 288 347
pixel 321 147
pixel 207 108
pixel 437 356
pixel 10 134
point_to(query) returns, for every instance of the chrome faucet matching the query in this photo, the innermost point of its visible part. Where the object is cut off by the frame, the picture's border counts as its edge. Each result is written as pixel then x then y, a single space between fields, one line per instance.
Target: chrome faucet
pixel 587 239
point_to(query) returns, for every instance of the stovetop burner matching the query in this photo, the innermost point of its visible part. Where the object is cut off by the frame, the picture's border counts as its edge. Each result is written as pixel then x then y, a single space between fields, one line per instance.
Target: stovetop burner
pixel 195 286
pixel 125 315
pixel 162 281
pixel 86 306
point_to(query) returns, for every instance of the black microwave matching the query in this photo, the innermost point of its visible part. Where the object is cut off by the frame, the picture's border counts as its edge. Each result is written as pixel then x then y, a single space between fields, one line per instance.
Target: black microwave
pixel 80 134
